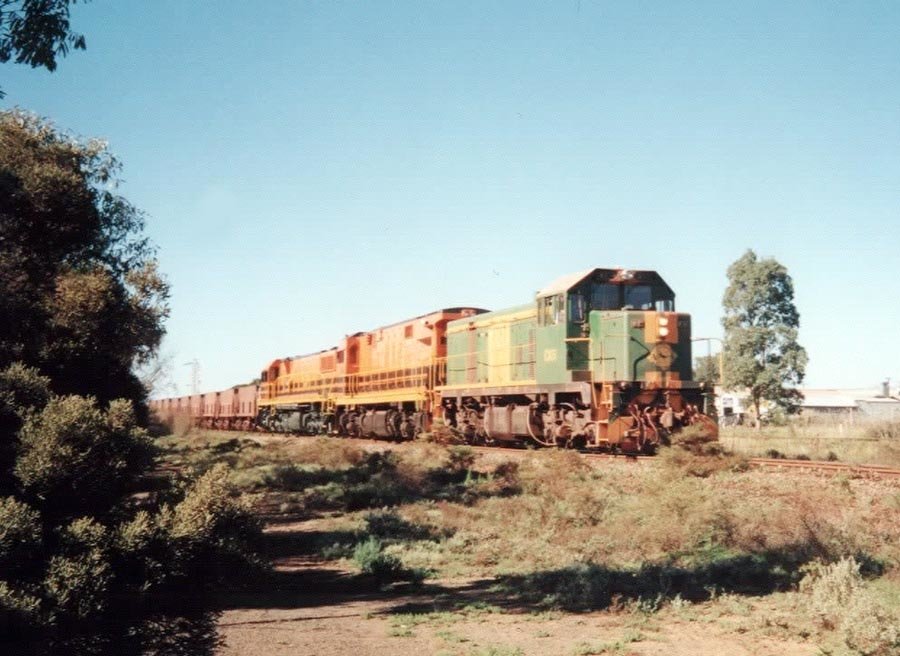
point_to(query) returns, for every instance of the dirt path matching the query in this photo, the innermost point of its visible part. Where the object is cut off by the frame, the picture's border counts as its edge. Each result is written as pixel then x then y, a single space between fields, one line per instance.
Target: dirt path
pixel 310 607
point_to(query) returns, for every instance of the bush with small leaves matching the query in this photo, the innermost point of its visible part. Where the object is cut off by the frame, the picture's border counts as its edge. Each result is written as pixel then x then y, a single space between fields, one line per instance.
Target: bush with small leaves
pixel 369 556
pixel 22 390
pixel 831 588
pixel 141 553
pixel 20 609
pixel 75 459
pixel 79 578
pixel 870 628
pixel 20 535
pixel 212 535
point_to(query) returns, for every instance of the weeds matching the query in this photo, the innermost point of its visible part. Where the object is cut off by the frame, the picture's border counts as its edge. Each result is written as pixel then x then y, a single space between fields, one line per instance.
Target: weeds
pixel 617 647
pixel 884 430
pixel 382 567
pixel 841 600
pixel 693 452
pixel 498 650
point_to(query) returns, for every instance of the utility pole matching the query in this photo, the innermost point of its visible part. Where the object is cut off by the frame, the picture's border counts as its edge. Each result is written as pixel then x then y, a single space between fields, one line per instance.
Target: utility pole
pixel 195 375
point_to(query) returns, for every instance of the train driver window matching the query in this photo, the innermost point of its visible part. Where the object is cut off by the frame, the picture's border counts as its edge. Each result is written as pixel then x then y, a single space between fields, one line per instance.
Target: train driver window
pixel 545 311
pixel 559 308
pixel 576 307
pixel 638 297
pixel 665 305
pixel 605 297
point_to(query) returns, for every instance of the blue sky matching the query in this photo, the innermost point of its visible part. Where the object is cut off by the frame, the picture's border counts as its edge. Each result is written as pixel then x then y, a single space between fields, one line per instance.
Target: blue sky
pixel 310 169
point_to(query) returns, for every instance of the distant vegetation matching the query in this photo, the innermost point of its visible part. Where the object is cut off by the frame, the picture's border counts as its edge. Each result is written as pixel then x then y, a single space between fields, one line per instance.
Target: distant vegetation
pixel 762 354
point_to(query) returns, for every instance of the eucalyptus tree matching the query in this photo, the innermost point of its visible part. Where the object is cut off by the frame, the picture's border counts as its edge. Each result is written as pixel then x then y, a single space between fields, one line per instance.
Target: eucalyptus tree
pixel 761 323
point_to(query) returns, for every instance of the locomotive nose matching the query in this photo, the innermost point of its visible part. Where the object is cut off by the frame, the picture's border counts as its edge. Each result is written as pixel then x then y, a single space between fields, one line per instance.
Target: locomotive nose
pixel 661 327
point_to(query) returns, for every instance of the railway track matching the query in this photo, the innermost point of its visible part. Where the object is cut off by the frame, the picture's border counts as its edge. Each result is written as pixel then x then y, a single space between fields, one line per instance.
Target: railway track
pixel 783 464
pixel 825 466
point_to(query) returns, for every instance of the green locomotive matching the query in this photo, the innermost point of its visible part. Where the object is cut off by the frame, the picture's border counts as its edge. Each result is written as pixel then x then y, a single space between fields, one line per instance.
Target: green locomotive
pixel 600 359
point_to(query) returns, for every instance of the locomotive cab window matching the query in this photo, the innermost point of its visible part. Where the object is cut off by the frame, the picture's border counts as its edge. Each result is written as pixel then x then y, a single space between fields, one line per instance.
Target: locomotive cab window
pixel 638 297
pixel 559 308
pixel 576 307
pixel 551 310
pixel 605 297
pixel 665 305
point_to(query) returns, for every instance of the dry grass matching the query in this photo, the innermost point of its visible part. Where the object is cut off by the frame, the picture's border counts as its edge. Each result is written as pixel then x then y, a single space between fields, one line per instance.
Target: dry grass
pixel 823 439
pixel 558 532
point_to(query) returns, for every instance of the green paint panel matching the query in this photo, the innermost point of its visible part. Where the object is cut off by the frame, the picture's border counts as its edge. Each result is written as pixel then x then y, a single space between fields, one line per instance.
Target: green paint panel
pixel 495 348
pixel 621 352
pixel 552 355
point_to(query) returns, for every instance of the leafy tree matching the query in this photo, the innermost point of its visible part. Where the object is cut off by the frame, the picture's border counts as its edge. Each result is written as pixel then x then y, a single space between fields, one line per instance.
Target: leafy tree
pixel 77 276
pixel 706 369
pixel 761 323
pixel 36 32
pixel 82 307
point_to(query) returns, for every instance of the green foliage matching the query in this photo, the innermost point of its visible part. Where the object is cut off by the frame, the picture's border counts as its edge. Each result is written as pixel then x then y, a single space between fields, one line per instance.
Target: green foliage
pixel 382 567
pixel 831 587
pixel 213 536
pixel 369 556
pixel 20 607
pixel 36 33
pixel 83 305
pixel 706 369
pixel 79 578
pixel 761 323
pixel 103 453
pixel 839 599
pixel 388 525
pixel 76 272
pixel 20 534
pixel 22 390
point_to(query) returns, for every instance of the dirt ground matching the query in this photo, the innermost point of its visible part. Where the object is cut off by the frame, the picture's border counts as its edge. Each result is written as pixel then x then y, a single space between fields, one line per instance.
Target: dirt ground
pixel 313 608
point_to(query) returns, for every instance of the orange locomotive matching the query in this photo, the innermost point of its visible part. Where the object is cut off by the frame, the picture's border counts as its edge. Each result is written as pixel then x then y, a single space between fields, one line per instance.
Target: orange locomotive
pixel 381 382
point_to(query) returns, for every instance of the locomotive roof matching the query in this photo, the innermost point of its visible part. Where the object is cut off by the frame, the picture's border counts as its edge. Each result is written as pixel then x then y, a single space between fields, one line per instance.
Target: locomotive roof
pixel 622 276
pixel 453 310
pixel 390 325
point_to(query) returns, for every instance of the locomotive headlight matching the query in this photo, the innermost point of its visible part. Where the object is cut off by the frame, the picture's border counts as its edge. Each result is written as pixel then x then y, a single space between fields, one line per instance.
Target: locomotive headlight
pixel 663 331
pixel 664 321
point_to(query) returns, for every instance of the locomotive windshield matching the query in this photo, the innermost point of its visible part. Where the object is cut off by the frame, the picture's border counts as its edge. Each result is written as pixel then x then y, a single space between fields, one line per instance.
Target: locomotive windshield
pixel 608 296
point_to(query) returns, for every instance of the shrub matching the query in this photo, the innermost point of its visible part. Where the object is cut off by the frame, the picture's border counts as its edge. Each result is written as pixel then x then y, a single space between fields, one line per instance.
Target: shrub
pixel 141 552
pixel 388 525
pixel 701 461
pixel 211 534
pixel 831 588
pixel 295 478
pixel 839 599
pixel 79 577
pixel 869 628
pixel 20 534
pixel 369 556
pixel 103 453
pixel 22 390
pixel 460 459
pixel 19 608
